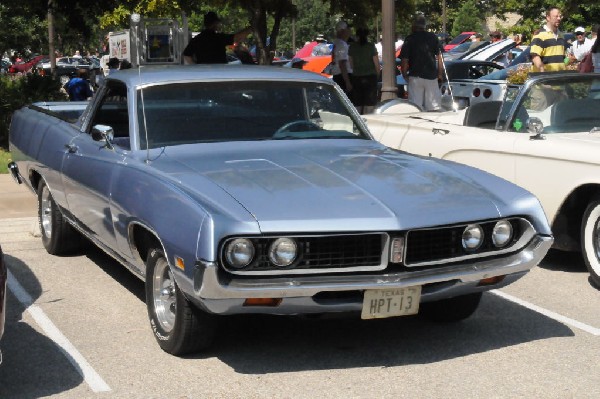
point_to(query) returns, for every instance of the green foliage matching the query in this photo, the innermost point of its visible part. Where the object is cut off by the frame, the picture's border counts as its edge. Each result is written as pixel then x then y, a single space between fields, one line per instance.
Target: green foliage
pixel 4 159
pixel 22 90
pixel 468 18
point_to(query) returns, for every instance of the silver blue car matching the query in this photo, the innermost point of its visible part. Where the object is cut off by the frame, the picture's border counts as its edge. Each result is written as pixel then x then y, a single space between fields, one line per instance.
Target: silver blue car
pixel 247 189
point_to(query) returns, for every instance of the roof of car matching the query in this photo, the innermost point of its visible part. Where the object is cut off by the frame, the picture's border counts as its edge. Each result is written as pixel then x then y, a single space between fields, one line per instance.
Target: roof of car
pixel 176 73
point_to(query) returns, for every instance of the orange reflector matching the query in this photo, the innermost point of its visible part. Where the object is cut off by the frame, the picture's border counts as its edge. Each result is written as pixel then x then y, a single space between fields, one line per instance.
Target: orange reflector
pixel 491 280
pixel 262 301
pixel 179 263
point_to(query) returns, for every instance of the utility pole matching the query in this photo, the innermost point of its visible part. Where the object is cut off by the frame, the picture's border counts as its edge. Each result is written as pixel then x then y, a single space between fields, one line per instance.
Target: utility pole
pixel 51 36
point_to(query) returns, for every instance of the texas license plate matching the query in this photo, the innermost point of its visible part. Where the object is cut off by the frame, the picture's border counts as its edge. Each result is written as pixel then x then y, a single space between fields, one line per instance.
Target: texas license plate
pixel 391 302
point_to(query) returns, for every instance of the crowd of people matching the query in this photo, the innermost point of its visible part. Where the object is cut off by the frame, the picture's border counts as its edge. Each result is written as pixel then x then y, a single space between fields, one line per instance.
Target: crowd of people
pixel 356 61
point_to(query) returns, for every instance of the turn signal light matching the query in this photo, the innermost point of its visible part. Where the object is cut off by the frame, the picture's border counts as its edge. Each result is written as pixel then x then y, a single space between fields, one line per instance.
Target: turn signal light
pixel 262 302
pixel 491 280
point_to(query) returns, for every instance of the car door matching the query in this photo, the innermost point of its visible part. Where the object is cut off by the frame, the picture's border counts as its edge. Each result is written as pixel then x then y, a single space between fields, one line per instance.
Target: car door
pixel 90 167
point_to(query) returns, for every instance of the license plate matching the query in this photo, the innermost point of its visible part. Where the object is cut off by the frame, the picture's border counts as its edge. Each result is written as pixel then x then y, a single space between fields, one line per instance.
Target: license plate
pixel 378 304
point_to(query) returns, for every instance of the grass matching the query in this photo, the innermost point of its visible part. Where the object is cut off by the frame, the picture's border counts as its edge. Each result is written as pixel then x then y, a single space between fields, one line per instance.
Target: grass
pixel 4 158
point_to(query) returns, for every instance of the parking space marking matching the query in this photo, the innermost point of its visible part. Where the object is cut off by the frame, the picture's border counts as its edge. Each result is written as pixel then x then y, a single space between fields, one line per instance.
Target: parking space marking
pixel 91 377
pixel 548 313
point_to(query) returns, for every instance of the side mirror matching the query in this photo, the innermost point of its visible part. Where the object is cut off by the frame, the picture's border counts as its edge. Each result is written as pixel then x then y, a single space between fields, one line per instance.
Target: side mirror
pixel 103 133
pixel 536 127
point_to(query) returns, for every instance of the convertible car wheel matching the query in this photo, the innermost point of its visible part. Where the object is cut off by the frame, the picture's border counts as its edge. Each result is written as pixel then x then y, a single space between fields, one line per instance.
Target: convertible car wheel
pixel 590 240
pixel 58 236
pixel 452 309
pixel 178 326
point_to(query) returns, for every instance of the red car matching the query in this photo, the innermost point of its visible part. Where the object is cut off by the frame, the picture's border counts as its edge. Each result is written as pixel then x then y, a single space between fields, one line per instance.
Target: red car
pixel 24 67
pixel 463 37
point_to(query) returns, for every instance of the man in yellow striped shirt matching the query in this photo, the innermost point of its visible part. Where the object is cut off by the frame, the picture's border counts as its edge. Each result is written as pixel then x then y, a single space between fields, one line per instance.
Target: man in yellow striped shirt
pixel 548 46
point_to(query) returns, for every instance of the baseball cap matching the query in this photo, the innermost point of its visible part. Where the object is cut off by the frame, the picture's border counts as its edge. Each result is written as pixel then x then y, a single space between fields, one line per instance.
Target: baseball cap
pixel 341 25
pixel 210 18
pixel 579 29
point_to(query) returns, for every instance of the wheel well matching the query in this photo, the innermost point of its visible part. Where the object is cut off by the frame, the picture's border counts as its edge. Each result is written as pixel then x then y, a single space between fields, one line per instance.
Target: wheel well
pixel 34 179
pixel 566 226
pixel 143 239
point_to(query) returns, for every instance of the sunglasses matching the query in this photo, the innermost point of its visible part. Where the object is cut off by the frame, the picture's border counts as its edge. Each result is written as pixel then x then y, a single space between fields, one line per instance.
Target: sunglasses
pixel 579 34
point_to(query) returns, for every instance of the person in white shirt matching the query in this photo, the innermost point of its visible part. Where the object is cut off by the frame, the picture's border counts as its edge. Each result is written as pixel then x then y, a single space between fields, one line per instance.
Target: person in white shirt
pixel 580 47
pixel 341 69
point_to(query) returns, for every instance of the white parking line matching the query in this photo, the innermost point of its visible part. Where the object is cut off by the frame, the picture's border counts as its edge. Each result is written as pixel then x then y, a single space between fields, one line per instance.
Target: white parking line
pixel 93 379
pixel 548 313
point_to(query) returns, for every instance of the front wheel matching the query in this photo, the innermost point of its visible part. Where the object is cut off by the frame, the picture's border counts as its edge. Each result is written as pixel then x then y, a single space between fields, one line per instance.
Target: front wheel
pixel 178 326
pixel 590 240
pixel 451 309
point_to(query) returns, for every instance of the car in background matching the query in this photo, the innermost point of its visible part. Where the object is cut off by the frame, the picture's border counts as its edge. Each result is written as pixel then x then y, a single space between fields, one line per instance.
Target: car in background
pixel 463 49
pixel 3 280
pixel 66 68
pixel 25 66
pixel 490 87
pixel 463 37
pixel 544 136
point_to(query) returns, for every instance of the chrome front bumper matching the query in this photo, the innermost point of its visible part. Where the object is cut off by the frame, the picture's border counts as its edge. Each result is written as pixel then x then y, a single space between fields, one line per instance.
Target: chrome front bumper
pixel 225 295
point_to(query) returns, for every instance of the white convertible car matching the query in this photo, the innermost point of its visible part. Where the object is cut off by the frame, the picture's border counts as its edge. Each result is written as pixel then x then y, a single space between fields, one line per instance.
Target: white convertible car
pixel 544 136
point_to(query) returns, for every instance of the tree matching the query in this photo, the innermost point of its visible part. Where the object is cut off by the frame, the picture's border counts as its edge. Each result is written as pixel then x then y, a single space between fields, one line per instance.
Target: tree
pixel 467 18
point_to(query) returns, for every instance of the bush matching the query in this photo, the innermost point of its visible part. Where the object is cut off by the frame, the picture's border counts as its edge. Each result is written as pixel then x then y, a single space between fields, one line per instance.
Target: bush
pixel 18 91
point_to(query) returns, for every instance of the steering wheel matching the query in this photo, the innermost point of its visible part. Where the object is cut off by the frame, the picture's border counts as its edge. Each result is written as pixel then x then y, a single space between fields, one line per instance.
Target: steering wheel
pixel 287 126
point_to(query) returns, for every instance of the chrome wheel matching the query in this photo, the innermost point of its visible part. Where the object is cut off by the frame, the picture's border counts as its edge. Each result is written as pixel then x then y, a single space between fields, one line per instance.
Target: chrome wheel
pixel 46 212
pixel 163 294
pixel 590 240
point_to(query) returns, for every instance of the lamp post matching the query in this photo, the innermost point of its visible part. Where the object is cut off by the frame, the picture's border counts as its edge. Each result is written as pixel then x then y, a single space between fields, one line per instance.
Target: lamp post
pixel 388 77
pixel 134 24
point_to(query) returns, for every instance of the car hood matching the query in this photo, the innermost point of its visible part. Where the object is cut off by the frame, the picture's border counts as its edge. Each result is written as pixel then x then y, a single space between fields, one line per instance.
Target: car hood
pixel 344 185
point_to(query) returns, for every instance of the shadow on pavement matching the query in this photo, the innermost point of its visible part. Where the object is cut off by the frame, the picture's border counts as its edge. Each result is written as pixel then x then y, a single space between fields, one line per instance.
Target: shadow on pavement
pixel 33 365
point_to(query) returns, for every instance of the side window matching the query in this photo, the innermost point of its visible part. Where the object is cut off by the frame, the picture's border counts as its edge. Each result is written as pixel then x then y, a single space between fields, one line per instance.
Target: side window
pixel 113 110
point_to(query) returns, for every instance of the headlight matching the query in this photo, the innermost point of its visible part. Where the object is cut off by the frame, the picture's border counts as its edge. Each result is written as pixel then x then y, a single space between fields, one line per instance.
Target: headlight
pixel 283 252
pixel 502 233
pixel 472 237
pixel 239 252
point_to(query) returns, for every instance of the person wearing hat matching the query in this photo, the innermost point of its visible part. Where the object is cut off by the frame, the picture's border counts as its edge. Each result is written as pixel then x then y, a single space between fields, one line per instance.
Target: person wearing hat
pixel 476 41
pixel 580 47
pixel 341 68
pixel 208 47
pixel 548 47
pixel 421 63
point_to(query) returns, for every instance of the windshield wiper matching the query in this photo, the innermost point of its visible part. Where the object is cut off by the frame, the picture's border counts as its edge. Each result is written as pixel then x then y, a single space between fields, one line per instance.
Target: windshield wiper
pixel 595 129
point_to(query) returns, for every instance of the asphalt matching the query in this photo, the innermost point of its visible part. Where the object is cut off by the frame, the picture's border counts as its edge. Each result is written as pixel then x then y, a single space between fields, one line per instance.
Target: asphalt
pixel 16 200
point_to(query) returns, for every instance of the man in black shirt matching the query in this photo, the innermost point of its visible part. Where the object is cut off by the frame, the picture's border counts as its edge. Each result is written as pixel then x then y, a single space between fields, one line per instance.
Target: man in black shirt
pixel 422 68
pixel 208 47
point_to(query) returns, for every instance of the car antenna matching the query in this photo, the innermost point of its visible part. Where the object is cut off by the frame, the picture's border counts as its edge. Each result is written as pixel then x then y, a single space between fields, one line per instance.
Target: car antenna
pixel 144 114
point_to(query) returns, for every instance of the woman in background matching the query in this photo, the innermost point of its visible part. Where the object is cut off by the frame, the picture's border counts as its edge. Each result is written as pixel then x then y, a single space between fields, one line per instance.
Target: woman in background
pixel 365 72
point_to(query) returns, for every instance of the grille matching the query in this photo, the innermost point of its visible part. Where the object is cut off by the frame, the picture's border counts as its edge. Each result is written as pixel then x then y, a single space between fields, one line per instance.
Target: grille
pixel 325 252
pixel 430 245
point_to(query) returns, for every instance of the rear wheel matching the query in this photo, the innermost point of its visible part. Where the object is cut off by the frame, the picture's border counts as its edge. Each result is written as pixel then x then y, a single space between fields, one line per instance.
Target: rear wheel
pixel 179 327
pixel 58 236
pixel 590 240
pixel 451 309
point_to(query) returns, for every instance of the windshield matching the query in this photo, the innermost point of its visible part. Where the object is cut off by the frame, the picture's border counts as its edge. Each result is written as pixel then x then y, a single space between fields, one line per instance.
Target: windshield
pixel 460 38
pixel 184 113
pixel 568 104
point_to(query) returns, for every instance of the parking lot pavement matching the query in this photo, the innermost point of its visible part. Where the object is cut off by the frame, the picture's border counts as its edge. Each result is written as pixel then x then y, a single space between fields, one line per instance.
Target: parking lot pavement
pixel 16 200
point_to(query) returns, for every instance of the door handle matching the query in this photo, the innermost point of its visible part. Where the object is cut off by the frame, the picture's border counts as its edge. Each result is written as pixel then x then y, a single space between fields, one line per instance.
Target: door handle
pixel 71 148
pixel 442 132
